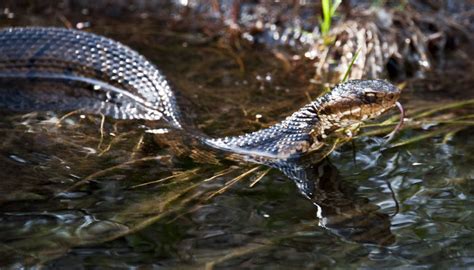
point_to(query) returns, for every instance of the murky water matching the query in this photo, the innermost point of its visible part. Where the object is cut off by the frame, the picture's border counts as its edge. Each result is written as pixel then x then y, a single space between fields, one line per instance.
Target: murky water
pixel 91 192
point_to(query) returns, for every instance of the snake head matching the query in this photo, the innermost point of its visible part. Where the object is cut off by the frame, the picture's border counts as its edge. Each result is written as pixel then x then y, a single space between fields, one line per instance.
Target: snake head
pixel 354 101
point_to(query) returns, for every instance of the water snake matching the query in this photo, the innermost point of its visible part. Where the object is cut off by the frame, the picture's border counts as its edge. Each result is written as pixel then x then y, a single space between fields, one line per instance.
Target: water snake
pixel 107 77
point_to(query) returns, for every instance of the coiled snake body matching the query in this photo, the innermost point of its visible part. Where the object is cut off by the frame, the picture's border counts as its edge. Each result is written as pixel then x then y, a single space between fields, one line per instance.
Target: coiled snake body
pixel 104 76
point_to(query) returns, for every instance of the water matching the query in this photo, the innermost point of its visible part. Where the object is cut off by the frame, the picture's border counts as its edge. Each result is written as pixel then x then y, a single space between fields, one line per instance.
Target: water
pixel 91 192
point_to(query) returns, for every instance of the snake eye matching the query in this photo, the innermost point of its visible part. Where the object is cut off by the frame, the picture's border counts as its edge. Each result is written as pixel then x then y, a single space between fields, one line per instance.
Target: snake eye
pixel 370 97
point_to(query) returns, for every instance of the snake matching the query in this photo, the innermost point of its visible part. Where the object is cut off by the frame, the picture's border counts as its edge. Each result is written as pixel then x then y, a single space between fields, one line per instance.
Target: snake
pixel 60 69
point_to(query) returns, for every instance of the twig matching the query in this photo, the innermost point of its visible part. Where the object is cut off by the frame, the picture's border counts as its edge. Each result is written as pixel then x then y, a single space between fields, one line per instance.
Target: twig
pixel 259 177
pixel 233 181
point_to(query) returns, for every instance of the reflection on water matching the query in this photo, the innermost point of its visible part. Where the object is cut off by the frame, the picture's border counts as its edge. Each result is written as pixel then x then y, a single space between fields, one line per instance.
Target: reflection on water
pixel 340 210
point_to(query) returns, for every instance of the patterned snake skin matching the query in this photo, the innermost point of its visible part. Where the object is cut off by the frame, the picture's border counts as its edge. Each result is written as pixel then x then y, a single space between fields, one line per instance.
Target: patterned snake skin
pixel 80 70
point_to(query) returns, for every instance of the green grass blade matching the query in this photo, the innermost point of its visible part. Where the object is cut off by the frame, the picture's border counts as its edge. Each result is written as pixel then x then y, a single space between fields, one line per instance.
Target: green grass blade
pixel 334 6
pixel 426 135
pixel 349 68
pixel 329 9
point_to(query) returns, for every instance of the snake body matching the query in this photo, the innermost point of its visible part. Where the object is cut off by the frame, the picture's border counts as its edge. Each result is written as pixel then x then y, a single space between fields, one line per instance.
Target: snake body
pixel 99 75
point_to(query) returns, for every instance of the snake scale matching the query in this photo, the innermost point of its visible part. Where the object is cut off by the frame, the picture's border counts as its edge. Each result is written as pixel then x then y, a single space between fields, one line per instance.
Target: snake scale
pixel 100 75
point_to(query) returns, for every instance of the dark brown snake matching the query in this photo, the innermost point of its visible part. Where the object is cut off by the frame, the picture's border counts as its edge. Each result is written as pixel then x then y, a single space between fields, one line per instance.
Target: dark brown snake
pixel 98 75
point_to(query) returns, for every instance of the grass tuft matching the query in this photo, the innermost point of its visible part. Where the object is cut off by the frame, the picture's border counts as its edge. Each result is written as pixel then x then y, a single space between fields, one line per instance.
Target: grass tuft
pixel 329 9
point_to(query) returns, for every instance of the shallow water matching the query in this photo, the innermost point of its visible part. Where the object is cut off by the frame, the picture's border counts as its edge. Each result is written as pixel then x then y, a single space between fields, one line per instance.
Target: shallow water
pixel 91 192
